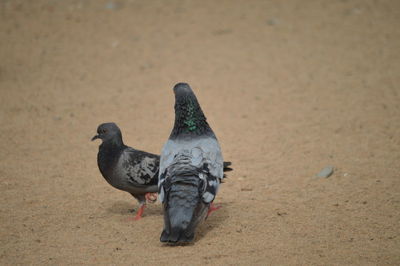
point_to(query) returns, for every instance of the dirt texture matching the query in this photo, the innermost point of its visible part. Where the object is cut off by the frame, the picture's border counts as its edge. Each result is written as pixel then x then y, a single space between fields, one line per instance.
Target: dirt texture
pixel 289 87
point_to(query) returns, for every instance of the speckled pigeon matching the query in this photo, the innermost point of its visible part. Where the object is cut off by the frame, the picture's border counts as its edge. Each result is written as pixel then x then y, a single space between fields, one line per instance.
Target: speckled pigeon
pixel 125 168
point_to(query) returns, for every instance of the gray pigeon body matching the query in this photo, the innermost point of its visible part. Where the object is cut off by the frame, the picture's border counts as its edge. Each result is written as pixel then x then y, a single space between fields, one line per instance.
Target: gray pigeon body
pixel 191 169
pixel 125 168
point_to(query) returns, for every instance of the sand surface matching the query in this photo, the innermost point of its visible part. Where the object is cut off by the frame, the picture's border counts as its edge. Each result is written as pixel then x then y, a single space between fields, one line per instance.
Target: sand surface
pixel 289 87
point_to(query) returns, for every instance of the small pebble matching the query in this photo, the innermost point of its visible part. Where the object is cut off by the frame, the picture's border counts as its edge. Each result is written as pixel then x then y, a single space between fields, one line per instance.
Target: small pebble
pixel 111 5
pixel 272 21
pixel 326 172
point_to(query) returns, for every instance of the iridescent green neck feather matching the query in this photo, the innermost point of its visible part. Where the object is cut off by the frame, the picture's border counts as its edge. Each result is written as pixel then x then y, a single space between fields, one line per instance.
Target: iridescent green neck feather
pixel 189 118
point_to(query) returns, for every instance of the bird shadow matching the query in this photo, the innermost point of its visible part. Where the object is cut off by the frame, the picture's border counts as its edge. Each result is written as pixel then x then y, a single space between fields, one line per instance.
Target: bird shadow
pixel 129 209
pixel 213 221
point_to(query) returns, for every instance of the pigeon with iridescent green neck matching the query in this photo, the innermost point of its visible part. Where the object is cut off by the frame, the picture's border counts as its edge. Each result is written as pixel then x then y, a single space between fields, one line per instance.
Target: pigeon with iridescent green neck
pixel 191 169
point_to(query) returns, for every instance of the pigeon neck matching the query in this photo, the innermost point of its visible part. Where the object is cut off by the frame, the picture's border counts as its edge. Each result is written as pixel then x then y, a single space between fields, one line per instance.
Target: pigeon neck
pixel 189 118
pixel 113 143
pixel 108 155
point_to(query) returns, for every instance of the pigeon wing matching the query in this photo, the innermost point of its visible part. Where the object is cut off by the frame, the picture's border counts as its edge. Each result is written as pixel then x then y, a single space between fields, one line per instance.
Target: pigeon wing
pixel 205 156
pixel 140 167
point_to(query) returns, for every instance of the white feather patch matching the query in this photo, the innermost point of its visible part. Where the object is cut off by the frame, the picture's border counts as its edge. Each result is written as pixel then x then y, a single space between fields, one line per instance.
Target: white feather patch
pixel 208 197
pixel 161 195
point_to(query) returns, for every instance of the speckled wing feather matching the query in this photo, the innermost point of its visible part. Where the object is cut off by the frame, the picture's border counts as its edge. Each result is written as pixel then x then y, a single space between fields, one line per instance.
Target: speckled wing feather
pixel 141 167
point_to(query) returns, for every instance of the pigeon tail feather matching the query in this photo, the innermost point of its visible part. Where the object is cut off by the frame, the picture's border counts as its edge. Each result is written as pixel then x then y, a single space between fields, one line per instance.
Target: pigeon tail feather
pixel 183 209
pixel 227 167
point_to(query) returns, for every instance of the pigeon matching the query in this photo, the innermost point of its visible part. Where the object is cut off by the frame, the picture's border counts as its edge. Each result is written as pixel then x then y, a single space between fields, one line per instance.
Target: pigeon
pixel 128 169
pixel 191 169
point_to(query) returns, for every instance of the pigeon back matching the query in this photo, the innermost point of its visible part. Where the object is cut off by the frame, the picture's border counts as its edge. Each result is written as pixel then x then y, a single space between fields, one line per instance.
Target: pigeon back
pixel 191 167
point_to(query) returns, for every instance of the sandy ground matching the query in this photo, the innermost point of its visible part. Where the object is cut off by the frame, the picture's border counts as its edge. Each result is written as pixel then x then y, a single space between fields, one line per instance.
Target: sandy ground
pixel 289 87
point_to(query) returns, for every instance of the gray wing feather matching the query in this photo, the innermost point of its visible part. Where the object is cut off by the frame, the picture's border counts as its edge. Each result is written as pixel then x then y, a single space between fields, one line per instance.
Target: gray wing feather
pixel 199 152
pixel 141 171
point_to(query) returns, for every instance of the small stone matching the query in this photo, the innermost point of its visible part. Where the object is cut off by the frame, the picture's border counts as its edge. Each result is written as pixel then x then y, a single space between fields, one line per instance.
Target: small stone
pixel 326 172
pixel 111 5
pixel 272 21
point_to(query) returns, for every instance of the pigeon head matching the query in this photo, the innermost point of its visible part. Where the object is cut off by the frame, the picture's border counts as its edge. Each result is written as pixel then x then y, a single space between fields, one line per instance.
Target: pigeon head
pixel 108 132
pixel 189 118
pixel 182 90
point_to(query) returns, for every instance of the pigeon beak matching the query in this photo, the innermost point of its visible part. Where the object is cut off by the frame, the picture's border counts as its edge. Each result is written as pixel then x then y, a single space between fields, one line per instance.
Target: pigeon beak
pixel 95 137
